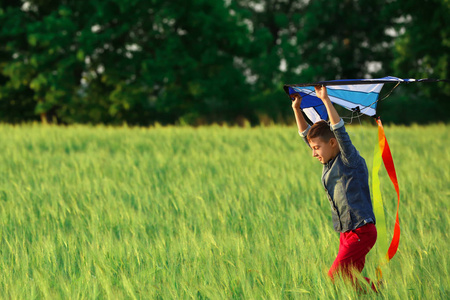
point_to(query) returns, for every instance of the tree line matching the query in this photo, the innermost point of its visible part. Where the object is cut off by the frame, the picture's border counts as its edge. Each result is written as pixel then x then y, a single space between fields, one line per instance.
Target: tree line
pixel 200 61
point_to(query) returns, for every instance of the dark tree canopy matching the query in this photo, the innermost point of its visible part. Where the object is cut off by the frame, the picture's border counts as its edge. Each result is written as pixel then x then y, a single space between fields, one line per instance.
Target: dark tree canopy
pixel 199 61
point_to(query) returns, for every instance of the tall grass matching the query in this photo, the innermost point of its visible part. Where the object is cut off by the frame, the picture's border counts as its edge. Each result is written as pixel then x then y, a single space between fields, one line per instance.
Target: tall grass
pixel 212 212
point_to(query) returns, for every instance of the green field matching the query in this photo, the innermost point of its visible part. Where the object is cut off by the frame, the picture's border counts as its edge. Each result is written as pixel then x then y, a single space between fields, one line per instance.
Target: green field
pixel 213 212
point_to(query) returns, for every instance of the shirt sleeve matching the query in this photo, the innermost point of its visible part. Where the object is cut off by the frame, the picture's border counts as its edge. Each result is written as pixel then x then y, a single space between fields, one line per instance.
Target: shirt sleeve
pixel 338 125
pixel 304 134
pixel 349 154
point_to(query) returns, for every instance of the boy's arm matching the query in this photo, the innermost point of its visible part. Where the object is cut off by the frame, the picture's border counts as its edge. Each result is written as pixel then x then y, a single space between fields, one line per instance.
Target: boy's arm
pixel 322 93
pixel 302 125
pixel 301 122
pixel 349 153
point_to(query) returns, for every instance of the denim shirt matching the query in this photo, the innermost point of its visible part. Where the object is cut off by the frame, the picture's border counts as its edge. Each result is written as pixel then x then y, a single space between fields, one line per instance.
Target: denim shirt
pixel 346 181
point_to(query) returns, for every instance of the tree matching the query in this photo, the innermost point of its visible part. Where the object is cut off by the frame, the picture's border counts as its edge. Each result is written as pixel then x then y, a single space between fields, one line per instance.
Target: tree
pixel 199 61
pixel 134 61
pixel 16 103
pixel 422 50
pixel 308 41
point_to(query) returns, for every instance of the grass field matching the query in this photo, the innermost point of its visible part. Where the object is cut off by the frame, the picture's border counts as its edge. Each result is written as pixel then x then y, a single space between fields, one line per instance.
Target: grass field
pixel 212 212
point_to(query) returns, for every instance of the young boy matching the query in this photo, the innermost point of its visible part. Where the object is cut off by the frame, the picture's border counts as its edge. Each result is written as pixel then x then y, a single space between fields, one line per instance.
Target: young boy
pixel 346 181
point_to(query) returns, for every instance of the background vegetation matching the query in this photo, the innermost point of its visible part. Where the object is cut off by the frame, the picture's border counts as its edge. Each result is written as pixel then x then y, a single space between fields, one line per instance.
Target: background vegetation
pixel 200 61
pixel 213 212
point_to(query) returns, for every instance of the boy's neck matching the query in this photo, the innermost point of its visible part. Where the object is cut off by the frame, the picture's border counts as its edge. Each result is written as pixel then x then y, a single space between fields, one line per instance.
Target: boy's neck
pixel 334 155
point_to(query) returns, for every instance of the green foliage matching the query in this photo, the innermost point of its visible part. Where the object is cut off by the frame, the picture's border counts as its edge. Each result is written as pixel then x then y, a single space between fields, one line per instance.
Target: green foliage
pixel 198 61
pixel 423 52
pixel 341 38
pixel 212 212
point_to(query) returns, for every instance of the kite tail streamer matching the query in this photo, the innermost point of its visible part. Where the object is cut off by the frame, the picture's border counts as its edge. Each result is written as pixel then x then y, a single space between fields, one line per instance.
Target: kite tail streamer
pixel 378 209
pixel 383 151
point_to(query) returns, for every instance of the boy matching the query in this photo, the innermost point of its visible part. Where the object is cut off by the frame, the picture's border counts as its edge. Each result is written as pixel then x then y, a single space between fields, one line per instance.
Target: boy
pixel 345 179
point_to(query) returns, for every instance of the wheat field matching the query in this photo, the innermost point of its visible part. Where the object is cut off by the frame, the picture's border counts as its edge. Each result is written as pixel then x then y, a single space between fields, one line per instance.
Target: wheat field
pixel 205 213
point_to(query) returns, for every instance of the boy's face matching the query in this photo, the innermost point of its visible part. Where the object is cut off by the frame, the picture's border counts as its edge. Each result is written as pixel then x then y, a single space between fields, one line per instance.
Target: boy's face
pixel 324 151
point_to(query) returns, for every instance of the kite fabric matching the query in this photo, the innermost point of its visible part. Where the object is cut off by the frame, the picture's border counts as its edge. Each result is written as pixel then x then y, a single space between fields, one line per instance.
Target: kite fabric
pixel 378 207
pixel 357 95
pixel 382 152
pixel 389 165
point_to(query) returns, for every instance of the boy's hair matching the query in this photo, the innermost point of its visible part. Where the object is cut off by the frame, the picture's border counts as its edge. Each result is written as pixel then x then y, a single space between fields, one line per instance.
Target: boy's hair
pixel 322 130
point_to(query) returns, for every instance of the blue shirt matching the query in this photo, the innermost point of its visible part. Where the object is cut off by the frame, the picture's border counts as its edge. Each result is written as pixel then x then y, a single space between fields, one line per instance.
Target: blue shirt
pixel 346 182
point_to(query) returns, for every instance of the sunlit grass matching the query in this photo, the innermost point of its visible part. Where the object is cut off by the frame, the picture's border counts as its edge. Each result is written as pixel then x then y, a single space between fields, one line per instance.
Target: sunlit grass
pixel 213 212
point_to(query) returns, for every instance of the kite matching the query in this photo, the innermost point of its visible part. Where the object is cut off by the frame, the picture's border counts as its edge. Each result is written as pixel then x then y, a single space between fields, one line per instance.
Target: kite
pixel 361 97
pixel 356 95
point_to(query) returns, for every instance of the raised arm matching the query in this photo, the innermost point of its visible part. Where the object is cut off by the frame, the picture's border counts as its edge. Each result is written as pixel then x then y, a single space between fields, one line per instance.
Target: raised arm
pixel 301 122
pixel 321 92
pixel 349 154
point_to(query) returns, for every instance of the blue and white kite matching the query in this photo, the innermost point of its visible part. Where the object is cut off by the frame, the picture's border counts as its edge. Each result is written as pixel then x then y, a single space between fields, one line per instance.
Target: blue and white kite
pixel 356 95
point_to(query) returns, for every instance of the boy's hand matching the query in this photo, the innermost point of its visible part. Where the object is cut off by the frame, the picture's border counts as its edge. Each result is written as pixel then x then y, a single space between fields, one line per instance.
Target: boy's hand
pixel 321 92
pixel 296 100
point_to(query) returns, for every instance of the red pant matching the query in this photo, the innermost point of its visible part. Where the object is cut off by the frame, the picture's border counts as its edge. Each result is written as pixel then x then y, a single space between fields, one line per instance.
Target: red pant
pixel 353 247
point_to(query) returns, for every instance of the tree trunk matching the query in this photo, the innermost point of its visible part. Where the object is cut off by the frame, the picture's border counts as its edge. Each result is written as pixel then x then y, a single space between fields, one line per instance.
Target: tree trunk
pixel 44 119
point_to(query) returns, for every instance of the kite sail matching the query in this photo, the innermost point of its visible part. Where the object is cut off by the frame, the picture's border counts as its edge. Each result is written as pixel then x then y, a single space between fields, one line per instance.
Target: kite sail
pixel 357 95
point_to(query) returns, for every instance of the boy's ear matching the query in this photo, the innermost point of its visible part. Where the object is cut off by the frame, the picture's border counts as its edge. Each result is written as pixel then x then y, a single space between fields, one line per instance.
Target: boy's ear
pixel 333 142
